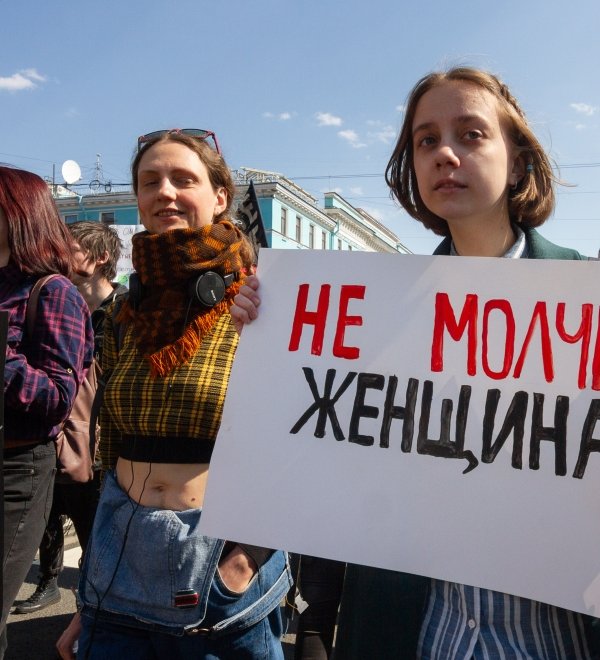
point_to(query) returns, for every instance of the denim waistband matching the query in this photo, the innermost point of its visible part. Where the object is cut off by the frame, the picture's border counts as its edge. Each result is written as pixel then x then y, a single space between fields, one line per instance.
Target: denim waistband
pixel 141 561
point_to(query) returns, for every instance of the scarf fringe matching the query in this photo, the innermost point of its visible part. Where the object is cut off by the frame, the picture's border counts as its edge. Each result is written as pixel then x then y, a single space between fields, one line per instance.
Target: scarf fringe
pixel 171 356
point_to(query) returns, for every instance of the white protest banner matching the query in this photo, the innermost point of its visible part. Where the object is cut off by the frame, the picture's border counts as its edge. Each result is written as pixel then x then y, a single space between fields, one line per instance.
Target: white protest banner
pixel 124 265
pixel 435 415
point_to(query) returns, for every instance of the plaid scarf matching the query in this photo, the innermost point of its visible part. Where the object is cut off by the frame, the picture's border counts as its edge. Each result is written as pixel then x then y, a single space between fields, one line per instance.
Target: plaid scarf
pixel 165 264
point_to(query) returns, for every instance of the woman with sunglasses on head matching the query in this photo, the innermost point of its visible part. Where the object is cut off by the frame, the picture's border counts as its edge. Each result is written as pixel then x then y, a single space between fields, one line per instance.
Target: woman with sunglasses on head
pixel 48 351
pixel 151 585
pixel 468 166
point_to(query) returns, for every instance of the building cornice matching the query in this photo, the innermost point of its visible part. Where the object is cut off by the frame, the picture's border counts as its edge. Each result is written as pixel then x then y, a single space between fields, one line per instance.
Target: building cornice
pixel 279 191
pixel 123 199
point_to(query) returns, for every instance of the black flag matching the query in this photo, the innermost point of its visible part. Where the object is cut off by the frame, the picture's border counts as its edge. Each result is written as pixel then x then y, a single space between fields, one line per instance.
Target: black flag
pixel 250 220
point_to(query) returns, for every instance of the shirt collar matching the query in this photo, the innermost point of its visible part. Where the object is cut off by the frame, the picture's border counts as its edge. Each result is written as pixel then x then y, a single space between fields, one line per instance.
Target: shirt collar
pixel 518 250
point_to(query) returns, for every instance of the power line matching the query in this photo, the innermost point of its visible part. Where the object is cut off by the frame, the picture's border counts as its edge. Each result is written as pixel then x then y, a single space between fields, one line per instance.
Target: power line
pixel 334 176
pixel 318 177
pixel 565 167
pixel 41 160
pixel 579 192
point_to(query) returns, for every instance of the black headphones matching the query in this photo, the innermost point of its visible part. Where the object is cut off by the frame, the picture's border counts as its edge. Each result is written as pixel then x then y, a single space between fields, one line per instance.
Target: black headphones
pixel 207 289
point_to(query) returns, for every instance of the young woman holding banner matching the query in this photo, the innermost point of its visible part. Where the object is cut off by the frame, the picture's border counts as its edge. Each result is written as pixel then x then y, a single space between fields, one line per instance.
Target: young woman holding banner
pixel 152 586
pixel 468 166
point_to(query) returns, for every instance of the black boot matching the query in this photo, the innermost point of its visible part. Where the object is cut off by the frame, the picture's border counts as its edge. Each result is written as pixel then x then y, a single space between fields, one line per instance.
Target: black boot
pixel 47 593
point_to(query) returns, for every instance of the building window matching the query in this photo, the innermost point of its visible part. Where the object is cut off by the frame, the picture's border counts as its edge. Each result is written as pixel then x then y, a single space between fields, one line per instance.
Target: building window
pixel 71 217
pixel 323 241
pixel 339 243
pixel 107 218
pixel 298 229
pixel 311 237
pixel 284 222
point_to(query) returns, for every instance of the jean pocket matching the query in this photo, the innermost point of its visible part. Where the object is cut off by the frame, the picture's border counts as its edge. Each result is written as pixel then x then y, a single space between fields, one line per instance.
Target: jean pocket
pixel 247 565
pixel 18 484
pixel 230 612
pixel 227 590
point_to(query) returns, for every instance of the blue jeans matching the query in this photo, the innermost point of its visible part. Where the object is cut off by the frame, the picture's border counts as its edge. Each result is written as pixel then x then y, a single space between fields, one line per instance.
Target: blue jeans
pixel 110 640
pixel 140 563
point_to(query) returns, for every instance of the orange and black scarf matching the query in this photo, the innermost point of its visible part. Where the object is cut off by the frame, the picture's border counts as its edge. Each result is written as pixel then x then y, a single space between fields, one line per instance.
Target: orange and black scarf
pixel 165 264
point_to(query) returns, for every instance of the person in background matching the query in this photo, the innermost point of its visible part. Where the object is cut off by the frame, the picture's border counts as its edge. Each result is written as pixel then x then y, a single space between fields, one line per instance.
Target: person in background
pixel 467 166
pixel 151 585
pixel 97 251
pixel 320 584
pixel 43 369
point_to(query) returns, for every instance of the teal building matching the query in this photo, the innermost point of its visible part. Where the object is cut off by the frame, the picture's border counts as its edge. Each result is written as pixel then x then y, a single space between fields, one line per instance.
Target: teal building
pixel 292 217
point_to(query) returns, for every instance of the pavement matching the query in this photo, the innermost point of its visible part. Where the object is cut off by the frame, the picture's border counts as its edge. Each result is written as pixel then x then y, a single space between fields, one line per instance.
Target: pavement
pixel 33 636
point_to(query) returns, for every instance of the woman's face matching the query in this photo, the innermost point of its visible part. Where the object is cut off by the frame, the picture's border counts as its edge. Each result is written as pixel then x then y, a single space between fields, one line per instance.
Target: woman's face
pixel 174 191
pixel 463 159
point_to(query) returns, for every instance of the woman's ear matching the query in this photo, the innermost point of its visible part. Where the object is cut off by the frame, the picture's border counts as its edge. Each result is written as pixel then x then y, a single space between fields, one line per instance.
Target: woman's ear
pixel 220 202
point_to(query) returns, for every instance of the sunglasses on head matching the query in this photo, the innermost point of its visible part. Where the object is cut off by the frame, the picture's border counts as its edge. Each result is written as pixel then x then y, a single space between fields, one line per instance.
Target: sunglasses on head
pixel 192 132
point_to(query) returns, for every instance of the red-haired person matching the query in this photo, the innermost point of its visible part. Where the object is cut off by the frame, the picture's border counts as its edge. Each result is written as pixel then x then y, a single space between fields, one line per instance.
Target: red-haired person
pixel 97 249
pixel 43 369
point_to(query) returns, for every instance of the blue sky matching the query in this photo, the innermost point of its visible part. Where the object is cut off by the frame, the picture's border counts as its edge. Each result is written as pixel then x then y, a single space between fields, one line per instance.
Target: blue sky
pixel 309 88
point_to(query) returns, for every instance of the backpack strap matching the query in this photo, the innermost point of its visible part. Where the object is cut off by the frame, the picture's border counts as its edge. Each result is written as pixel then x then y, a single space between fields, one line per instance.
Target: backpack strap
pixel 119 334
pixel 32 302
pixel 119 328
pixel 95 412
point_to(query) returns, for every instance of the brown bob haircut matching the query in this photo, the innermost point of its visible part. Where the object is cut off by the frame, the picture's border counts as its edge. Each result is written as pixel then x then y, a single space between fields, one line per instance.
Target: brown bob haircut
pixel 530 203
pixel 218 172
pixel 38 239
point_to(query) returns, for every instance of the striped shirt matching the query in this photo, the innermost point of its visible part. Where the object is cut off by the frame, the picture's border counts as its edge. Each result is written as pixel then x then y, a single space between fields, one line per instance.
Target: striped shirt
pixel 463 622
pixel 42 372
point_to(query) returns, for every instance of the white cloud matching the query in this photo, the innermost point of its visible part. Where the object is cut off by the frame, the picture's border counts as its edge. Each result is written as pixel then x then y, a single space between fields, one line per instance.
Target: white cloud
pixel 327 119
pixel 386 134
pixel 401 108
pixel 349 134
pixel 281 116
pixel 579 127
pixel 71 112
pixel 352 138
pixel 34 75
pixel 25 79
pixel 357 190
pixel 584 108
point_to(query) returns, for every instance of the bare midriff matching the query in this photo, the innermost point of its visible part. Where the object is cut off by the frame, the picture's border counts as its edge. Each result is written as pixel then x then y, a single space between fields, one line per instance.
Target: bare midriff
pixel 174 486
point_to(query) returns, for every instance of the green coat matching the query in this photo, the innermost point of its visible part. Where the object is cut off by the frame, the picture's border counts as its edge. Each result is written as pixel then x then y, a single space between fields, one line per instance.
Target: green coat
pixel 539 247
